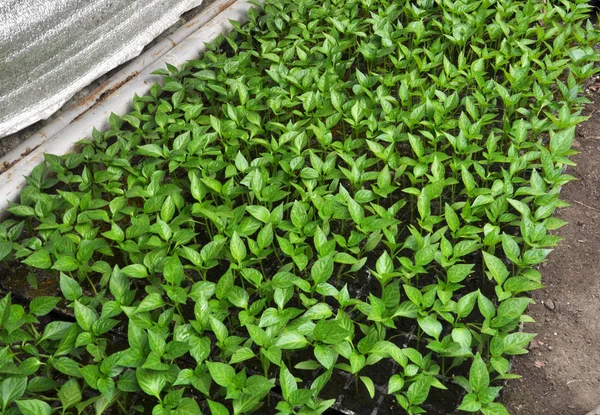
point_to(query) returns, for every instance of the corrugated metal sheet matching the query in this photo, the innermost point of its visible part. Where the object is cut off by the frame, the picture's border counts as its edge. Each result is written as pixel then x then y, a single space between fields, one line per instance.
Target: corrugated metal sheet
pixel 51 49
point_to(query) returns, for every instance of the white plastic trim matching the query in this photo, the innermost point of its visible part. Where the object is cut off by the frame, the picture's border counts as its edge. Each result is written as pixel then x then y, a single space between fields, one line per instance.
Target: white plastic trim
pixel 59 137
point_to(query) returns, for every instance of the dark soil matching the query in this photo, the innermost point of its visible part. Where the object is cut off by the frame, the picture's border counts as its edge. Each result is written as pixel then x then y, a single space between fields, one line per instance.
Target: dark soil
pixel 561 373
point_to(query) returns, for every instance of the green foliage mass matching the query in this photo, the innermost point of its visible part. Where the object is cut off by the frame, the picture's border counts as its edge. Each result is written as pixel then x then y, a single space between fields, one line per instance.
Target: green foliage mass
pixel 336 186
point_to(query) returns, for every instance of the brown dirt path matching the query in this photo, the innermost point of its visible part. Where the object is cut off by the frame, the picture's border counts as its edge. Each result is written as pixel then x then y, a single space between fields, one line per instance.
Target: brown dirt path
pixel 561 373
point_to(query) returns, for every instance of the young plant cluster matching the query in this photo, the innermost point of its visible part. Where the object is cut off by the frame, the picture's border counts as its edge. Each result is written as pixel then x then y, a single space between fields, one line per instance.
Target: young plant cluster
pixel 342 186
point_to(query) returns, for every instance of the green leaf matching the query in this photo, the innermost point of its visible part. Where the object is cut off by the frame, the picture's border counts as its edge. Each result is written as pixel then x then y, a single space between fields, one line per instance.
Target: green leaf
pixel 22 210
pixel 29 366
pixel 150 150
pixel 470 403
pixel 395 384
pixel 245 403
pixel 39 259
pixel 479 378
pixel 515 343
pixel 369 385
pixel 70 393
pixel 55 330
pixel 451 218
pixel 151 381
pixel 510 310
pixel 238 297
pixel 150 302
pixel 119 285
pixel 216 408
pixel 259 212
pixel 511 248
pixel 219 329
pixel 287 280
pixel 418 391
pixel 494 408
pixel 496 266
pixel 265 236
pixel 237 248
pixel 188 406
pixel 240 162
pixel 164 230
pixel 242 354
pixel 300 397
pixel 34 407
pixel 318 312
pixel 11 389
pixel 325 356
pixel 457 273
pixel 212 249
pixel 135 271
pixel 287 382
pixel 384 264
pixel 431 326
pixel 5 249
pixel 40 306
pixel 535 256
pixel 291 340
pixel 486 307
pixel 356 211
pixel 85 316
pixel 173 270
pixel 67 366
pixel 330 332
pixel 466 304
pixel 322 269
pixel 254 276
pixel 298 215
pixel 221 373
pixel 258 385
pixel 5 308
pixel 70 288
pixel 463 337
pixel 224 285
pixel 561 141
pixel 115 233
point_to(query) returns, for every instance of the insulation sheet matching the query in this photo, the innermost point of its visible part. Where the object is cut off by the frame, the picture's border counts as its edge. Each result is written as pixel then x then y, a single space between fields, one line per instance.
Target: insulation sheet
pixel 51 49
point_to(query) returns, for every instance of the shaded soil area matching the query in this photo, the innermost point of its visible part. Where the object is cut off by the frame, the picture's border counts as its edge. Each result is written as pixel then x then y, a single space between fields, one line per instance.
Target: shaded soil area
pixel 561 373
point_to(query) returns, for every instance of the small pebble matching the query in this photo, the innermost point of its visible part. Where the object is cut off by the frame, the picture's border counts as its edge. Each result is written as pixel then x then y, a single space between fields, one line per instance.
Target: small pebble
pixel 550 305
pixel 550 348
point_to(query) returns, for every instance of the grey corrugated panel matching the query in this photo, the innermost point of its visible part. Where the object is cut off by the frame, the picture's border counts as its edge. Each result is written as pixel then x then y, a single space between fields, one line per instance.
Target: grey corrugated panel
pixel 51 49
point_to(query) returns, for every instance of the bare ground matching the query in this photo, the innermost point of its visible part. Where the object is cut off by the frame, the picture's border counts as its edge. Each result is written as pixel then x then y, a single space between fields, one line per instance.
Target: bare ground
pixel 561 373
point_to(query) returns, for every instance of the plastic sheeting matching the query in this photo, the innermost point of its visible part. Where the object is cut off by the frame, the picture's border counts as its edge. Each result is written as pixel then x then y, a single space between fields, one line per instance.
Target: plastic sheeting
pixel 49 50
